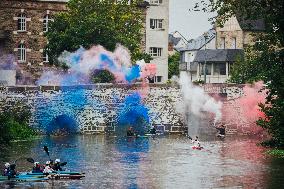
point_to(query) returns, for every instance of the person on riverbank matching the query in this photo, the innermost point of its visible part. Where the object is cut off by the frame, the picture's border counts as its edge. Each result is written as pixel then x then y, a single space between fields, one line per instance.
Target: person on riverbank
pixel 222 131
pixel 37 168
pixel 153 131
pixel 48 168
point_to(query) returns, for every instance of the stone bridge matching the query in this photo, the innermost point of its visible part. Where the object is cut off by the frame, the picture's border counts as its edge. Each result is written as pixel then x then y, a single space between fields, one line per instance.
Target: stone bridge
pixel 95 107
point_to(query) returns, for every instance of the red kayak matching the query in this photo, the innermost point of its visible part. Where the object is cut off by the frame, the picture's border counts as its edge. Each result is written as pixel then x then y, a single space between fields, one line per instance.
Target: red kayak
pixel 197 147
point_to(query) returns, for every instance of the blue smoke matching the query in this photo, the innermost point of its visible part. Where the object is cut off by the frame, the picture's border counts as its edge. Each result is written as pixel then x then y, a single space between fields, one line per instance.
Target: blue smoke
pixel 134 114
pixel 133 73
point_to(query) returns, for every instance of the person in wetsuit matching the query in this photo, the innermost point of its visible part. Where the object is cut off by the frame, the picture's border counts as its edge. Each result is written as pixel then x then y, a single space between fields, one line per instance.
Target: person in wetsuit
pixel 37 168
pixel 57 165
pixel 222 131
pixel 130 132
pixel 153 131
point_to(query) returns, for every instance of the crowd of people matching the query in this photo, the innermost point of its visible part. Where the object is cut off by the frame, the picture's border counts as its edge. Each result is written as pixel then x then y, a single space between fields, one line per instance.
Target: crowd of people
pixel 49 167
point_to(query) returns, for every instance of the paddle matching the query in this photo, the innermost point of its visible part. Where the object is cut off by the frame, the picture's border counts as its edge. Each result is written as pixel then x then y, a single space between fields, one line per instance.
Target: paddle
pixel 63 164
pixel 46 150
pixel 31 160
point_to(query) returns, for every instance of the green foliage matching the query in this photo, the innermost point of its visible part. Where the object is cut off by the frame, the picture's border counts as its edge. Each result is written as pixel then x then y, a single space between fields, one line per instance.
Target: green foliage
pixel 173 65
pixel 14 125
pixel 96 22
pixel 276 152
pixel 264 60
pixel 103 76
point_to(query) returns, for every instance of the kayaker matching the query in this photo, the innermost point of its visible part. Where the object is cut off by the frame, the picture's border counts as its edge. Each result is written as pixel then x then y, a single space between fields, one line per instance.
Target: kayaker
pixel 37 168
pixel 6 169
pixel 130 132
pixel 196 142
pixel 47 168
pixel 12 171
pixel 56 165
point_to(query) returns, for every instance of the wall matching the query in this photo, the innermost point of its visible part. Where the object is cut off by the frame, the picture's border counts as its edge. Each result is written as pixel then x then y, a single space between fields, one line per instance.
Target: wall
pixel 95 107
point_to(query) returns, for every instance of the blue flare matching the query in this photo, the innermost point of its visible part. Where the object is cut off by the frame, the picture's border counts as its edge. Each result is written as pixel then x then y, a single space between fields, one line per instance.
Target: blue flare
pixel 134 114
pixel 133 73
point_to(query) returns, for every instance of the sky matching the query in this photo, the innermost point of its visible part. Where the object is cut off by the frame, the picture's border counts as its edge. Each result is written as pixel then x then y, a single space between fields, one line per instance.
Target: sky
pixel 190 24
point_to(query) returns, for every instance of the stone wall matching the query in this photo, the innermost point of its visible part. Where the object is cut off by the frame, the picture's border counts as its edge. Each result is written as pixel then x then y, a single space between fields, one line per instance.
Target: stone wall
pixel 95 107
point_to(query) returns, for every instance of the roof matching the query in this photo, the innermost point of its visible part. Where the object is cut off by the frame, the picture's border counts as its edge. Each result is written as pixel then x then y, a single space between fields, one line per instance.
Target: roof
pixel 198 43
pixel 174 40
pixel 218 55
pixel 251 25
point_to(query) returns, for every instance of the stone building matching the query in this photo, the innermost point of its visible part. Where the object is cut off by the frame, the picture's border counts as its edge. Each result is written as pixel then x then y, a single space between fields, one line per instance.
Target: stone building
pixel 24 22
pixel 22 25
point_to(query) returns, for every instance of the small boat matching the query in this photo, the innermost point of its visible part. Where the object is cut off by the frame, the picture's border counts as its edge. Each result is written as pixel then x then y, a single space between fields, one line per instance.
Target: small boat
pixel 196 147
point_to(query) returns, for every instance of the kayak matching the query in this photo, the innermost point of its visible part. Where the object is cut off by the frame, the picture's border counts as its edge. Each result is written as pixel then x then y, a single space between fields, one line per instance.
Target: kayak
pixel 42 176
pixel 196 148
pixel 22 178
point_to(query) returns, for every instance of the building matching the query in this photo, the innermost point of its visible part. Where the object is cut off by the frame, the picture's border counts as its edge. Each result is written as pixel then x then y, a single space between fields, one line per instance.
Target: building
pixel 224 45
pixel 176 41
pixel 189 52
pixel 157 30
pixel 24 22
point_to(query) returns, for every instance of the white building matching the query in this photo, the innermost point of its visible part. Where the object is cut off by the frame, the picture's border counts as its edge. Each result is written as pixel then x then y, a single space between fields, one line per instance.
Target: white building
pixel 157 30
pixel 189 52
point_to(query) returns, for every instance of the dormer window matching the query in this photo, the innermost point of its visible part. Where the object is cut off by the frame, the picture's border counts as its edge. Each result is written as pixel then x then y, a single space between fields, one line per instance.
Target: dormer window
pixel 22 22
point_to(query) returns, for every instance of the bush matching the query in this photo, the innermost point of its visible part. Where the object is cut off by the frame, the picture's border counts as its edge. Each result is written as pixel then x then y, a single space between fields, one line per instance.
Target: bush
pixel 14 126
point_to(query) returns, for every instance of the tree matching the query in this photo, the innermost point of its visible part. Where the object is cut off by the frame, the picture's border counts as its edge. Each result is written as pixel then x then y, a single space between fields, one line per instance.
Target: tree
pixel 264 60
pixel 91 22
pixel 173 65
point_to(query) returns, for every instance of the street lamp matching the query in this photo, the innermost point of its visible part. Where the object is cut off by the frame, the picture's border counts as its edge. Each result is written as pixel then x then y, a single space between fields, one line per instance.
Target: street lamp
pixel 204 67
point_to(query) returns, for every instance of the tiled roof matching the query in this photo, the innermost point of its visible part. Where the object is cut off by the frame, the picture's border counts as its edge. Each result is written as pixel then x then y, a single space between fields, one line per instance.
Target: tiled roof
pixel 218 55
pixel 198 43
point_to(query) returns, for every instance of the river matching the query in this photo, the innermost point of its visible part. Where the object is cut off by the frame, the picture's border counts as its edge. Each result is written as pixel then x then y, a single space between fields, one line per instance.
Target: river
pixel 160 162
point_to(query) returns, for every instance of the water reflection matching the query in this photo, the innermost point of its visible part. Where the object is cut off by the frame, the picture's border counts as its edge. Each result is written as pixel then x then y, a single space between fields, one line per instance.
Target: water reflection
pixel 165 162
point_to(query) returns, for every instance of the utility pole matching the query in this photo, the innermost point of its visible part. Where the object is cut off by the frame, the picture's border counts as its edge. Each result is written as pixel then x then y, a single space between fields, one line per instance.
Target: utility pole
pixel 204 67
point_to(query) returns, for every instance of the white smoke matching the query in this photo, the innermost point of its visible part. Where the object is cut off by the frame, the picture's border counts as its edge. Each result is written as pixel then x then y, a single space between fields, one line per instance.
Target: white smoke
pixel 196 101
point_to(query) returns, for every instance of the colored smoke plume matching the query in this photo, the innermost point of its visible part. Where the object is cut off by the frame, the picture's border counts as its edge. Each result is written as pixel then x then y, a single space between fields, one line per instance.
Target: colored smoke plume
pixel 247 112
pixel 83 63
pixel 134 114
pixel 195 101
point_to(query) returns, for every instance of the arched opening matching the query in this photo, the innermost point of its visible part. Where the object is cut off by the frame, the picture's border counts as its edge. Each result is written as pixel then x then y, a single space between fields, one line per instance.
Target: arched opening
pixel 62 125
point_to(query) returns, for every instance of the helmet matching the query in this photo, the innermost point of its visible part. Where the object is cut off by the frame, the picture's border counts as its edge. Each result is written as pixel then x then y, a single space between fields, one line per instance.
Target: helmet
pixel 57 161
pixel 7 165
pixel 47 162
pixel 36 163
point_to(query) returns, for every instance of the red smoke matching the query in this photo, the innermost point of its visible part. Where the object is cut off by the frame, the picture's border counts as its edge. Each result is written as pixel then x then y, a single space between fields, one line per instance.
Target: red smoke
pixel 242 113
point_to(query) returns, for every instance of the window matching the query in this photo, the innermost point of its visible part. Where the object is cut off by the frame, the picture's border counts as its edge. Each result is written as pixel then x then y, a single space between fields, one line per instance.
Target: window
pixel 222 43
pixel 45 56
pixel 220 69
pixel 208 69
pixel 234 43
pixel 22 53
pixel 158 79
pixel 156 23
pixel 155 52
pixel 22 22
pixel 46 19
pixel 156 2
